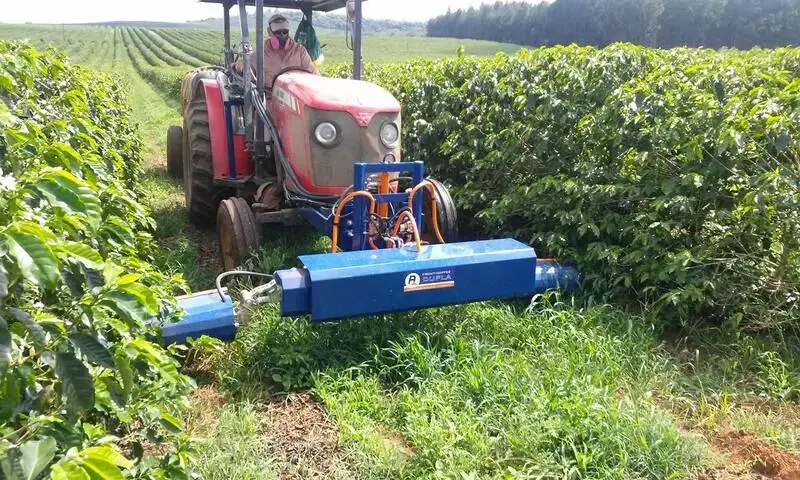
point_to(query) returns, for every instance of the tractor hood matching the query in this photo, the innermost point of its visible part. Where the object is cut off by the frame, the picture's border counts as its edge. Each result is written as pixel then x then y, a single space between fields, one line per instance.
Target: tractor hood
pixel 361 99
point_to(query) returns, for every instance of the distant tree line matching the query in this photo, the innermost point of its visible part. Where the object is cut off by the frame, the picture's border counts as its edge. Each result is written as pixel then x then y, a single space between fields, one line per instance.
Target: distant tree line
pixel 325 21
pixel 656 23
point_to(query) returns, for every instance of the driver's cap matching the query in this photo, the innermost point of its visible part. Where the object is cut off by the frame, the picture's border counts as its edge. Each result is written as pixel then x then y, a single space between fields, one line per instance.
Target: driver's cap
pixel 278 22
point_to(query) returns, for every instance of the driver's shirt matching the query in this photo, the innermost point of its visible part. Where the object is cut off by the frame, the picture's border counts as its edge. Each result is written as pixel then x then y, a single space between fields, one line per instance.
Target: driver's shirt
pixel 292 55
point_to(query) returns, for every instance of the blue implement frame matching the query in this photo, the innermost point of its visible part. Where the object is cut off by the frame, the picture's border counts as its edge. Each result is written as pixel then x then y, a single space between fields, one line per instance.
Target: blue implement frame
pixel 354 231
pixel 361 173
pixel 228 105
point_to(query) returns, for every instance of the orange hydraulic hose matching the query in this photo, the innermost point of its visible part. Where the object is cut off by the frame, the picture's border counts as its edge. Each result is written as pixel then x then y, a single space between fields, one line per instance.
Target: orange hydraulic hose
pixel 338 213
pixel 383 188
pixel 399 222
pixel 434 210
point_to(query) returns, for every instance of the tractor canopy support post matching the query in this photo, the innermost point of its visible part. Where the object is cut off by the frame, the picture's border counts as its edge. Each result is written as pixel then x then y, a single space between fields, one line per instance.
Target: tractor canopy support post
pixel 228 53
pixel 260 146
pixel 260 53
pixel 246 71
pixel 358 68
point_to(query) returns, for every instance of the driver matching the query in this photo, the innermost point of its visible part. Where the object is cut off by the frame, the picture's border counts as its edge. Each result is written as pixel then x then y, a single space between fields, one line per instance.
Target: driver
pixel 280 51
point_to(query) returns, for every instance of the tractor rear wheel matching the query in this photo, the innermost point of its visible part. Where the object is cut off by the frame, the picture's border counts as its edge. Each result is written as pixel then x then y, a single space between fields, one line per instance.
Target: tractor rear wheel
pixel 198 173
pixel 239 235
pixel 445 211
pixel 175 151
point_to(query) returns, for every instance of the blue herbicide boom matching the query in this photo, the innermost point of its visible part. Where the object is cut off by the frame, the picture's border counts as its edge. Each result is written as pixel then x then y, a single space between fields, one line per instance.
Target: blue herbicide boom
pixel 380 264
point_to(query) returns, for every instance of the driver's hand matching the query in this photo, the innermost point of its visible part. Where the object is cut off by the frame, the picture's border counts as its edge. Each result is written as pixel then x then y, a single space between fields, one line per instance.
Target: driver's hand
pixel 237 67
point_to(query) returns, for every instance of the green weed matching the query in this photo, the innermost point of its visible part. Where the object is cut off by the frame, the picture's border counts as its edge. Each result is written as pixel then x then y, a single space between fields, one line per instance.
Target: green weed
pixel 235 449
pixel 487 391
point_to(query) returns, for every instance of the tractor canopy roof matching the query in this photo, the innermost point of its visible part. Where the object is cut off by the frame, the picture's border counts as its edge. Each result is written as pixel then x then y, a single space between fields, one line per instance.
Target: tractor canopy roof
pixel 318 5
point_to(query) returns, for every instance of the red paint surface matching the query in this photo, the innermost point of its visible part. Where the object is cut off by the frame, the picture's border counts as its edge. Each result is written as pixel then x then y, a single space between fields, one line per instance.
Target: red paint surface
pixel 360 99
pixel 219 141
pixel 284 115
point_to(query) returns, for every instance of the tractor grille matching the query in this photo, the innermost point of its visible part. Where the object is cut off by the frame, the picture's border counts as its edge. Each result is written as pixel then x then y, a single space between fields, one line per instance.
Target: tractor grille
pixel 333 167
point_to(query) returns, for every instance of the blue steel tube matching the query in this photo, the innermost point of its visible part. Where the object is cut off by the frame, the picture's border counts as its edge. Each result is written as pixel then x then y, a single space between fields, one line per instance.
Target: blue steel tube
pixel 552 275
pixel 472 279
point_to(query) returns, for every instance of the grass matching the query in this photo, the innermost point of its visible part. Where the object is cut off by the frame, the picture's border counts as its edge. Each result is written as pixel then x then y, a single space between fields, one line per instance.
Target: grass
pixel 490 390
pixel 234 448
pixel 479 391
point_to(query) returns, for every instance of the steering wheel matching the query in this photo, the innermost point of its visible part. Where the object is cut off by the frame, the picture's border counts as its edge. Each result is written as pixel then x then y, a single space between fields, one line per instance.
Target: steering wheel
pixel 286 70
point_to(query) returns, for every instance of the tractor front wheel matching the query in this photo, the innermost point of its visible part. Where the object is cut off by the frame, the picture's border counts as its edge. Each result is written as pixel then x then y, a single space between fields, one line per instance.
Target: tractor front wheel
pixel 175 151
pixel 445 211
pixel 239 235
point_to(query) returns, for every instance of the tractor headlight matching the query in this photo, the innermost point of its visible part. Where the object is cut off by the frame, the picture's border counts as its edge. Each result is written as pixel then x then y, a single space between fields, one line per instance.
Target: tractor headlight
pixel 390 134
pixel 326 134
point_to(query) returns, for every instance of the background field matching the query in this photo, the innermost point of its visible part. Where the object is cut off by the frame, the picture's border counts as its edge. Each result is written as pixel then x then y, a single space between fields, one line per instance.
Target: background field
pixel 492 390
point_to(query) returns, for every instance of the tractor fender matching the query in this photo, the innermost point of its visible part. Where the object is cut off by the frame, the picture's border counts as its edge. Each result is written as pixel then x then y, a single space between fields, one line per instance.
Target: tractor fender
pixel 218 130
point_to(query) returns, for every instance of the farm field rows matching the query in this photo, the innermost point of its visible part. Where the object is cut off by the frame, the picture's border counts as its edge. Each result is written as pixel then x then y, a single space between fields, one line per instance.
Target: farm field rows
pixel 493 390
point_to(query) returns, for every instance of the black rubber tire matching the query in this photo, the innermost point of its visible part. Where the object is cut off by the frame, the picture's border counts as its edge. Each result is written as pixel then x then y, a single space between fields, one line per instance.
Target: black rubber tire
pixel 192 85
pixel 445 210
pixel 175 151
pixel 239 235
pixel 201 195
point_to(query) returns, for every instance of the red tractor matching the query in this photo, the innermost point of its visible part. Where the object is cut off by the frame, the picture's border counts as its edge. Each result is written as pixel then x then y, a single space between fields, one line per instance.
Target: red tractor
pixel 248 157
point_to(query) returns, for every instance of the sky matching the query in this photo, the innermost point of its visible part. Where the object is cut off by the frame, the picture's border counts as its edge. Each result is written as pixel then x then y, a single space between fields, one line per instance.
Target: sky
pixel 85 11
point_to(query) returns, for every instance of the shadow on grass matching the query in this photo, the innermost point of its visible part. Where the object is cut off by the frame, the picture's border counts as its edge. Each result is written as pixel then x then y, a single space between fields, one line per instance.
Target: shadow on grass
pixel 183 247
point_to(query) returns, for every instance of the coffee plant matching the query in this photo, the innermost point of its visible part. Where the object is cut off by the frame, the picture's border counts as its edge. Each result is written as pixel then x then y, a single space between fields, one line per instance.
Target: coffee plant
pixel 84 392
pixel 670 176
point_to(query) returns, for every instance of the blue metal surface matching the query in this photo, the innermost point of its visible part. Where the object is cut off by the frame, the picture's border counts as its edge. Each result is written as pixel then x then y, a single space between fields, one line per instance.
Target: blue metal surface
pixel 369 282
pixel 319 219
pixel 295 288
pixel 353 236
pixel 229 138
pixel 552 275
pixel 205 314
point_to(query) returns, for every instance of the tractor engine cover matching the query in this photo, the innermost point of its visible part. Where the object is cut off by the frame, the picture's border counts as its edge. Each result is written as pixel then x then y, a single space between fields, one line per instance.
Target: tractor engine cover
pixel 368 282
pixel 358 110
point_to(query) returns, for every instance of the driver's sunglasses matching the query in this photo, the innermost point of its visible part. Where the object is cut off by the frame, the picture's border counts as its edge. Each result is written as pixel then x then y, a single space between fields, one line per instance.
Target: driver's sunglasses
pixel 282 33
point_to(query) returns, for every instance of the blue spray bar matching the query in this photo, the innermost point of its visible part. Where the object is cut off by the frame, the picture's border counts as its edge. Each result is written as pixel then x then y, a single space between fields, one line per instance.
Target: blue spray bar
pixel 368 282
pixel 206 314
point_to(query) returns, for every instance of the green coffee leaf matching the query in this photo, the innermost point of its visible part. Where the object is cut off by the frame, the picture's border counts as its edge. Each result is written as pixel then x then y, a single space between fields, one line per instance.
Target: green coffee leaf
pixel 27 245
pixel 116 391
pixel 5 348
pixel 170 422
pixel 76 382
pixel 36 456
pixel 38 334
pixel 146 297
pixel 82 253
pixel 107 454
pixel 125 371
pixel 64 190
pixel 10 465
pixel 99 469
pixel 158 357
pixel 93 350
pixel 119 229
pixel 3 283
pixel 126 305
pixel 6 118
pixel 69 471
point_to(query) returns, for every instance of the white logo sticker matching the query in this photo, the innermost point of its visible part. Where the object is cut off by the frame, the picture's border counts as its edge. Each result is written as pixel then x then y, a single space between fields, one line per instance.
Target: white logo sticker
pixel 412 280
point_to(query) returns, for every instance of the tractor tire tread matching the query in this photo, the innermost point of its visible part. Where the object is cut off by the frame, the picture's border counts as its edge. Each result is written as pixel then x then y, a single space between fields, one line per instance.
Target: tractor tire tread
pixel 201 194
pixel 175 151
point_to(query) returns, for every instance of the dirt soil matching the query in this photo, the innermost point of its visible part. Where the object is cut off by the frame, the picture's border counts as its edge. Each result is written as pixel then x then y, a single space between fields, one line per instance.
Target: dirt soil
pixel 207 243
pixel 206 403
pixel 303 439
pixel 748 458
